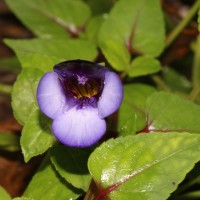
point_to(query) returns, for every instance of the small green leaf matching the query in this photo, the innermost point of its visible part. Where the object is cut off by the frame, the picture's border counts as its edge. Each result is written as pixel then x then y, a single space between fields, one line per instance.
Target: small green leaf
pixel 167 112
pixel 132 117
pixel 24 93
pixel 100 7
pixel 133 23
pixel 45 53
pixel 9 142
pixel 74 167
pixel 36 135
pixel 52 18
pixel 143 65
pixel 116 54
pixel 92 28
pixel 48 184
pixel 3 194
pixel 145 166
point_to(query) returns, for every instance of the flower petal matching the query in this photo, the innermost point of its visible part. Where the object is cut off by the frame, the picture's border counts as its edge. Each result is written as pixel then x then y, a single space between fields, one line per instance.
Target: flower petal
pixel 79 127
pixel 112 95
pixel 50 95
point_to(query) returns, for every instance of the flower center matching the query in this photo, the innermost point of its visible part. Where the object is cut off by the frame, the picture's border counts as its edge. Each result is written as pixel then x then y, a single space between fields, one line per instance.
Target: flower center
pixel 82 81
pixel 82 87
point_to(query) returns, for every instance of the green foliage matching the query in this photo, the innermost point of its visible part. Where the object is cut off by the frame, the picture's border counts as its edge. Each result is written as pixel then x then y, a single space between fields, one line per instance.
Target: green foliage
pixel 4 195
pixel 129 37
pixel 48 184
pixel 144 165
pixel 43 54
pixel 137 34
pixel 47 20
pixel 74 167
pixel 132 116
pixel 36 135
pixel 143 65
pixel 167 112
pixel 24 94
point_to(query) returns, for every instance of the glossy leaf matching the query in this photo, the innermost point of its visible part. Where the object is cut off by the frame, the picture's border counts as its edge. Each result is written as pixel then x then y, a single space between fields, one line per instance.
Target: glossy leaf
pixel 47 184
pixel 143 167
pixel 167 112
pixel 3 194
pixel 45 53
pixel 49 19
pixel 132 116
pixel 24 93
pixel 36 135
pixel 143 65
pixel 74 165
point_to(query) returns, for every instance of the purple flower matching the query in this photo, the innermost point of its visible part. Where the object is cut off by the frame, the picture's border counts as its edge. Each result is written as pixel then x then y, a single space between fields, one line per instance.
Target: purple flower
pixel 78 95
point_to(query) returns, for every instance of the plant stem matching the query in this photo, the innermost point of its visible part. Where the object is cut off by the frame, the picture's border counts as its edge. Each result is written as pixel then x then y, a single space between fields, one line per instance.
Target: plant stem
pixel 160 83
pixel 4 88
pixel 196 65
pixel 172 36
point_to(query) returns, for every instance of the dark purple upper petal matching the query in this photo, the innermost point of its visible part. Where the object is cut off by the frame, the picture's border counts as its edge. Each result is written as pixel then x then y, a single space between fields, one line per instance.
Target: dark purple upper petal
pixel 83 81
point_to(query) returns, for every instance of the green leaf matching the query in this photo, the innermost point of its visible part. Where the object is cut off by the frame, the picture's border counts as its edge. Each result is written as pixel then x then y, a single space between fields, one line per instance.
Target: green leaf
pixel 52 18
pixel 92 28
pixel 9 142
pixel 45 53
pixel 36 135
pixel 167 112
pixel 143 65
pixel 132 24
pixel 146 166
pixel 74 167
pixel 23 198
pixel 116 54
pixel 132 117
pixel 48 184
pixel 175 80
pixel 24 93
pixel 100 7
pixel 3 194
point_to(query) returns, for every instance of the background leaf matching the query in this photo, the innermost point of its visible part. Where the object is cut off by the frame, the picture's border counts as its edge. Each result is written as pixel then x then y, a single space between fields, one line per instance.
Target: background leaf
pixel 132 116
pixel 24 93
pixel 175 80
pixel 3 194
pixel 138 33
pixel 9 142
pixel 36 135
pixel 47 184
pixel 74 167
pixel 167 112
pixel 49 19
pixel 143 65
pixel 116 53
pixel 45 53
pixel 146 166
